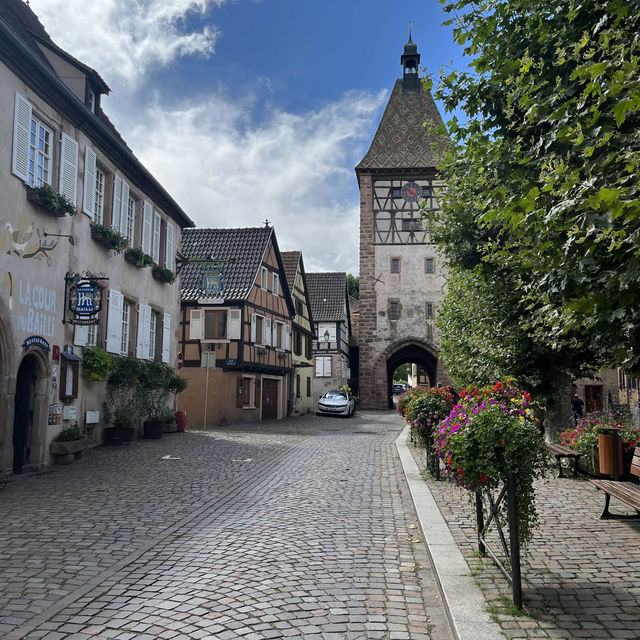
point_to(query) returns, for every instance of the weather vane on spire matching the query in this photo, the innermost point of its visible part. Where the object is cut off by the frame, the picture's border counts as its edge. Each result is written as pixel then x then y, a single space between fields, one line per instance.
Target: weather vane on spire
pixel 410 27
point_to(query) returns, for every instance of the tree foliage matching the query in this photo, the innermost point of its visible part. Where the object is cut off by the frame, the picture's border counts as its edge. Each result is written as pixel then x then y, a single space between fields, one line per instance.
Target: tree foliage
pixel 543 176
pixel 353 284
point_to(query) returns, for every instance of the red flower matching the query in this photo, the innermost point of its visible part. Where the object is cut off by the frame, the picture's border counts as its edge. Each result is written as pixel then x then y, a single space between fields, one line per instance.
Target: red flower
pixel 503 443
pixel 461 471
pixel 483 478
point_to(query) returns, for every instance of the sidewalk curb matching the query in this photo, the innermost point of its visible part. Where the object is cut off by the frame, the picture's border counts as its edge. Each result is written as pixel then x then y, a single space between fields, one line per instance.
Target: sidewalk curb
pixel 464 603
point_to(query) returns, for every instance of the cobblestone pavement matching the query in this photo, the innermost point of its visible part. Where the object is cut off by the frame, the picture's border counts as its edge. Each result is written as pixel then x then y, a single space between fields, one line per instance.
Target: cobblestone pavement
pixel 301 528
pixel 580 576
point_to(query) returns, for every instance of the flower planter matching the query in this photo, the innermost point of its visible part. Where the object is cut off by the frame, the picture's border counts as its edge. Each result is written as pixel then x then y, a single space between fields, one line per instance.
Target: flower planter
pixel 53 205
pixel 153 429
pixel 137 258
pixel 67 452
pixel 118 435
pixel 108 240
pixel 166 276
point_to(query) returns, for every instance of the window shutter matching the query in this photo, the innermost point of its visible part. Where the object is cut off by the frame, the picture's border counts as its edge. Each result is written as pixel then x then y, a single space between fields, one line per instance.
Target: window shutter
pixel 287 337
pixel 69 168
pixel 114 321
pixel 276 284
pixel 117 203
pixel 169 253
pixel 157 221
pixel 240 393
pixel 318 367
pixel 166 337
pixel 253 327
pixel 146 227
pixel 268 339
pixel 21 136
pixel 124 210
pixel 235 324
pixel 144 322
pixel 89 197
pixel 80 335
pixel 195 324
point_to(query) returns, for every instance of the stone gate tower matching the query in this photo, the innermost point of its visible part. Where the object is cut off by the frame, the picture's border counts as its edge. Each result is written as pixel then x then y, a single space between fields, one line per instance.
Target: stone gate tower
pixel 401 274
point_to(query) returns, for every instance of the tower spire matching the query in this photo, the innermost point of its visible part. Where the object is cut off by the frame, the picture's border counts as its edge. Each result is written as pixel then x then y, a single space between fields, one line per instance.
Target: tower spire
pixel 409 61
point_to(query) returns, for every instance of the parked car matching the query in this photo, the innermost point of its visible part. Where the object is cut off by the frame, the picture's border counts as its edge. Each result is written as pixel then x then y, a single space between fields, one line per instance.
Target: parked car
pixel 336 403
pixel 399 389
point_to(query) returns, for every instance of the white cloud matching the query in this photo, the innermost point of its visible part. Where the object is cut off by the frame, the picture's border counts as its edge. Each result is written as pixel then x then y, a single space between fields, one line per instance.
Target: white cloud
pixel 122 39
pixel 294 170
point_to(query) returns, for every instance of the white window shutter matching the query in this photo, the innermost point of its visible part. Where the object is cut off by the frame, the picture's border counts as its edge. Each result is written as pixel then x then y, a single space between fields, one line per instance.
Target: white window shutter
pixel 69 168
pixel 235 324
pixel 166 337
pixel 195 324
pixel 147 334
pixel 124 210
pixel 168 254
pixel 157 221
pixel 80 335
pixel 114 321
pixel 117 203
pixel 276 284
pixel 89 196
pixel 318 367
pixel 146 227
pixel 253 327
pixel 144 320
pixel 287 337
pixel 21 136
pixel 267 332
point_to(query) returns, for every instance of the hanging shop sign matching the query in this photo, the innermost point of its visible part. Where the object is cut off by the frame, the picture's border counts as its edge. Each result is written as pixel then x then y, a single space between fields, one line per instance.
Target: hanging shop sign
pixel 211 283
pixel 36 341
pixel 84 296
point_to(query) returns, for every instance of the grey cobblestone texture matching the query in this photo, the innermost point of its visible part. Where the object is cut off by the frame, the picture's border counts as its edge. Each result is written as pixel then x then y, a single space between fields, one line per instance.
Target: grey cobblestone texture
pixel 580 573
pixel 295 529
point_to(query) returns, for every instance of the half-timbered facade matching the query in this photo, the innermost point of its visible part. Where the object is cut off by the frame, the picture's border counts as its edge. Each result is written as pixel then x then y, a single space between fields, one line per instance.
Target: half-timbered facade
pixel 235 327
pixel 329 296
pixel 302 334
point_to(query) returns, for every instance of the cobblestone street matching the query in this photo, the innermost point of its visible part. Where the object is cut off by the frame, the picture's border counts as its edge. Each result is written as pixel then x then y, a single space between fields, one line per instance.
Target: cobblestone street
pixel 295 529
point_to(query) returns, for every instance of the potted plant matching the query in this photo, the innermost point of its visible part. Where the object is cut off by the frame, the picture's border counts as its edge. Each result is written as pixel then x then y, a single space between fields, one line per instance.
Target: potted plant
pixel 50 200
pixel 68 444
pixel 108 237
pixel 168 418
pixel 135 255
pixel 122 410
pixel 163 274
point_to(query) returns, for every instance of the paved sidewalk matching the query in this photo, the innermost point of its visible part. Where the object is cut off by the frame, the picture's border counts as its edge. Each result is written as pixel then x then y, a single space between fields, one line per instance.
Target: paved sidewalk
pixel 580 576
pixel 302 528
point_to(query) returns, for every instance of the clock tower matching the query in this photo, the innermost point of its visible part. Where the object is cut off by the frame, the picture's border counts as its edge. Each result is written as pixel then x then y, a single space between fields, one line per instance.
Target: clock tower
pixel 402 277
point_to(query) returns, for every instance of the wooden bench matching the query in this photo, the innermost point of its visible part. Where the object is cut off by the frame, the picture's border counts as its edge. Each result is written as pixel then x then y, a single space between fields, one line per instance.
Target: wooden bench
pixel 627 492
pixel 560 452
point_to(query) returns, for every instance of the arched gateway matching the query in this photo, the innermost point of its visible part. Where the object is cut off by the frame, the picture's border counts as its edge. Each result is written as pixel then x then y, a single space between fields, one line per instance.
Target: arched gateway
pixel 402 277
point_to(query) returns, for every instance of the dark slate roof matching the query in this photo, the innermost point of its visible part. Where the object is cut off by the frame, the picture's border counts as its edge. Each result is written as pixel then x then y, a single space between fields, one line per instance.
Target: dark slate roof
pixel 401 142
pixel 243 248
pixel 327 293
pixel 290 260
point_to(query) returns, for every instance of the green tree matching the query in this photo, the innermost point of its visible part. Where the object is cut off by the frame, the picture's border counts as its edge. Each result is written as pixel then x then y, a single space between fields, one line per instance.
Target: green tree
pixel 353 283
pixel 542 189
pixel 402 373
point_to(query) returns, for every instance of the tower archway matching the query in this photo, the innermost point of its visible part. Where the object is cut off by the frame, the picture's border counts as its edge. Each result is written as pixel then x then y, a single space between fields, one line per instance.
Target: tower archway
pixel 408 350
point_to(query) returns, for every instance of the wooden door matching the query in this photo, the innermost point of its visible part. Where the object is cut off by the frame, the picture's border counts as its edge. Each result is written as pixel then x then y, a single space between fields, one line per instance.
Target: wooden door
pixel 593 398
pixel 269 398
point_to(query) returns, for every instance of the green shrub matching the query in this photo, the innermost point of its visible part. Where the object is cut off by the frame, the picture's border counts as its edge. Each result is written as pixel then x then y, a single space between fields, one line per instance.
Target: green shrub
pixel 97 363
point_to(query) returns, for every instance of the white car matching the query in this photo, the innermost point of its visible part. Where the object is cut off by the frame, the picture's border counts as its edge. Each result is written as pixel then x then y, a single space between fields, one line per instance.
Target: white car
pixel 336 403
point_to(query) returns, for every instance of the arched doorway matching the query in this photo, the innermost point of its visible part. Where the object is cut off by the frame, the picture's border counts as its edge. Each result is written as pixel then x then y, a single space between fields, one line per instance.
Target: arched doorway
pixel 23 413
pixel 414 352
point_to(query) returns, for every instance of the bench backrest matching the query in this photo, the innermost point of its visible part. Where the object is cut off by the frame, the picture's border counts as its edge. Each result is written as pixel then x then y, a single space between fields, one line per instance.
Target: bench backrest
pixel 635 463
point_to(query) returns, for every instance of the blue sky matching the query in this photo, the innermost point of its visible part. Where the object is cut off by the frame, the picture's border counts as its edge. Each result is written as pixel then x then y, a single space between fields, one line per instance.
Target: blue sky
pixel 249 110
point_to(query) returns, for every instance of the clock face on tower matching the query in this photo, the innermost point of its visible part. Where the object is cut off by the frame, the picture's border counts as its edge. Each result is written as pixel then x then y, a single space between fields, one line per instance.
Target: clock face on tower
pixel 411 191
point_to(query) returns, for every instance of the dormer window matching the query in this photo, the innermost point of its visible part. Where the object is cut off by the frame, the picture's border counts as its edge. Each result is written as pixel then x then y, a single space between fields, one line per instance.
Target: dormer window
pixel 91 101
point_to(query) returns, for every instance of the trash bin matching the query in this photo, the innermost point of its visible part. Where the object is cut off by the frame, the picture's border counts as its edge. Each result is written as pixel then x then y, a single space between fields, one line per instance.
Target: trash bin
pixel 181 419
pixel 610 463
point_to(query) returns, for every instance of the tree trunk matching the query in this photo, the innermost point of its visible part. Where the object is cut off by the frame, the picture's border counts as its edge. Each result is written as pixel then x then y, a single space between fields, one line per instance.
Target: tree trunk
pixel 559 414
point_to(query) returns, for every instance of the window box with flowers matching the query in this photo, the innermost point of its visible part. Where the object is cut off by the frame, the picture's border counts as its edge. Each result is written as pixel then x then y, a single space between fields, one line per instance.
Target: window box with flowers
pixel 138 257
pixel 108 237
pixel 163 274
pixel 50 200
